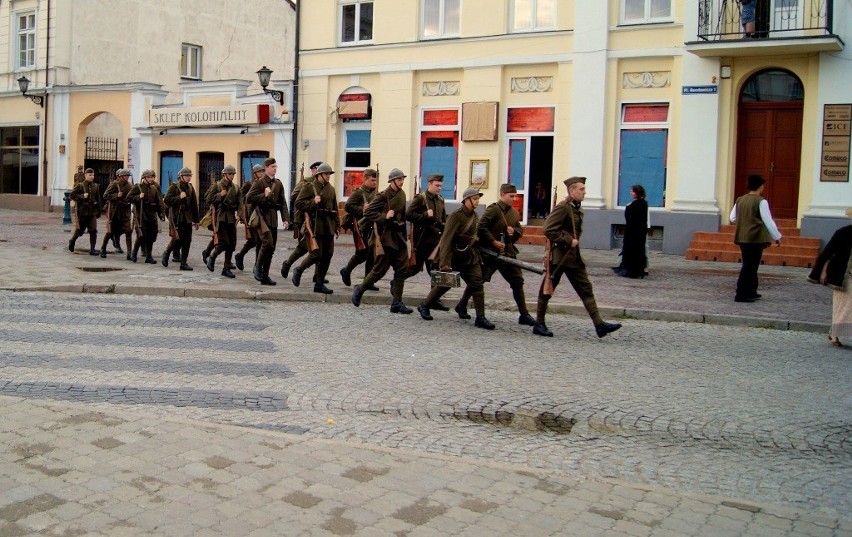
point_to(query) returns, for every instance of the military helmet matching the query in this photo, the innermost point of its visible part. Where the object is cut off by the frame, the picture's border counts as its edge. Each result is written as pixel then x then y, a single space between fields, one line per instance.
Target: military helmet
pixel 324 168
pixel 148 173
pixel 122 172
pixel 395 173
pixel 184 171
pixel 257 168
pixel 229 169
pixel 471 192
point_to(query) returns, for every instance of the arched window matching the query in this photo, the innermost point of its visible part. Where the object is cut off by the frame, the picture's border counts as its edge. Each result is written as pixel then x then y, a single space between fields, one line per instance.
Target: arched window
pixel 773 85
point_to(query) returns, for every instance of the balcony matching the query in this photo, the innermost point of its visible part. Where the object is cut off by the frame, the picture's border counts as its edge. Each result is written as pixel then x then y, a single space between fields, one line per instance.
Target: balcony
pixel 781 27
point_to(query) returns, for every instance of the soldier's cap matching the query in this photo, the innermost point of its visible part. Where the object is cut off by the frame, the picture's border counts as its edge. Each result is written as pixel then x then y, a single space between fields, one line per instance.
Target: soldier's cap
pixel 122 172
pixel 324 168
pixel 394 174
pixel 89 170
pixel 257 168
pixel 268 162
pixel 471 192
pixel 507 188
pixel 229 169
pixel 79 166
pixel 755 182
pixel 148 173
pixel 574 180
pixel 315 164
pixel 370 172
pixel 184 171
pixel 435 177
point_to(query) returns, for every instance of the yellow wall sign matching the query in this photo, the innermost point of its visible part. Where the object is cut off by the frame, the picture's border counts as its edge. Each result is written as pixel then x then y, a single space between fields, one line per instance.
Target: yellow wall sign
pixel 836 122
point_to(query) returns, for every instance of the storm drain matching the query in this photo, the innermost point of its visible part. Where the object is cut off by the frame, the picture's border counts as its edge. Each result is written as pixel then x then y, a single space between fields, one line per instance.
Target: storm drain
pixel 528 420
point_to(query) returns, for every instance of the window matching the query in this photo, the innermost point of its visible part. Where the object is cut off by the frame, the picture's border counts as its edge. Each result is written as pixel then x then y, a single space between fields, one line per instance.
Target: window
pixel 643 151
pixel 644 11
pixel 439 148
pixel 356 21
pixel 170 164
pixel 19 160
pixel 356 154
pixel 441 18
pixel 529 15
pixel 26 40
pixel 190 61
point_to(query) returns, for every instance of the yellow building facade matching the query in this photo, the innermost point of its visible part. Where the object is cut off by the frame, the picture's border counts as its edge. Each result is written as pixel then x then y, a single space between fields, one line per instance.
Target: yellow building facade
pixel 668 94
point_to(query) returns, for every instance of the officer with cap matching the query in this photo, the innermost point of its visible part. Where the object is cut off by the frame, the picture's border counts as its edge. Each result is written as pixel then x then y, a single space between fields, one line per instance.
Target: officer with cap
pixel 267 196
pixel 182 202
pixel 563 229
pixel 87 196
pixel 301 246
pixel 318 201
pixel 428 216
pixel 118 210
pixel 245 214
pixel 148 204
pixel 457 251
pixel 227 199
pixel 387 211
pixel 355 207
pixel 498 230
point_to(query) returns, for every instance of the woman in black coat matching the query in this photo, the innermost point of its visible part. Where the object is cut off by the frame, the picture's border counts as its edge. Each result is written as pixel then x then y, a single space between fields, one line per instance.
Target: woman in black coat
pixel 832 268
pixel 633 259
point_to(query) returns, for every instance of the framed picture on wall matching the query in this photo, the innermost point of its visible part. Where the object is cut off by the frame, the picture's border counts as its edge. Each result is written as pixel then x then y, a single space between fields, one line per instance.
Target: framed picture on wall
pixel 479 174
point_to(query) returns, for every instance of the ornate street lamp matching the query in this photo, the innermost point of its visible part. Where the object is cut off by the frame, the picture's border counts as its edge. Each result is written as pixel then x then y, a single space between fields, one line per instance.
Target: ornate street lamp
pixel 263 75
pixel 24 85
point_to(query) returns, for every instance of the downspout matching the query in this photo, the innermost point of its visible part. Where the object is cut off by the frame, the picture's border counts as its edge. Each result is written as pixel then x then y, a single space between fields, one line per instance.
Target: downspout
pixel 46 109
pixel 295 112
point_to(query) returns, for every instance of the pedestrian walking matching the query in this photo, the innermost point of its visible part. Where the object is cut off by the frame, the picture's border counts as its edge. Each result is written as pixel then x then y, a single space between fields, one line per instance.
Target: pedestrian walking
pixel 118 211
pixel 755 231
pixel 563 229
pixel 252 241
pixel 355 207
pixel 833 268
pixel 87 198
pixel 266 195
pixel 428 216
pixel 634 259
pixel 149 206
pixel 182 202
pixel 317 203
pixel 226 199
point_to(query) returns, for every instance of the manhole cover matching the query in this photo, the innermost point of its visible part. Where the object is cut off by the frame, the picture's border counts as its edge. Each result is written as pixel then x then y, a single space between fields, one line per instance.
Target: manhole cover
pixel 98 269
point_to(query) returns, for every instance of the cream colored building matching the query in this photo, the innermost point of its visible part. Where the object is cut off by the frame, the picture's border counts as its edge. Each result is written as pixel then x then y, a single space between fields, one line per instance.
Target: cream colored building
pixel 102 71
pixel 666 93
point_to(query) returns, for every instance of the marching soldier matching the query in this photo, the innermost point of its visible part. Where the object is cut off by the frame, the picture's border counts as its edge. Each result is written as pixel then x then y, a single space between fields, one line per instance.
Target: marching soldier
pixel 318 201
pixel 183 214
pixel 457 250
pixel 112 179
pixel 118 211
pixel 498 230
pixel 226 198
pixel 252 241
pixel 428 216
pixel 301 246
pixel 387 211
pixel 80 176
pixel 87 196
pixel 355 207
pixel 266 195
pixel 148 203
pixel 563 229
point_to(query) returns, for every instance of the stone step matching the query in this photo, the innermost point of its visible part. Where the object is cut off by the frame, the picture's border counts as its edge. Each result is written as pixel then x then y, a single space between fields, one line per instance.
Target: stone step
pixel 769 258
pixel 795 250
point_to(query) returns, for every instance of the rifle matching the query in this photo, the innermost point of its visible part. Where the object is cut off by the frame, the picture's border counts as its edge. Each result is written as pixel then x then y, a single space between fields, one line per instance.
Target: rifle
pixel 293 202
pixel 171 217
pixel 412 253
pixel 564 257
pixel 512 261
pixel 547 282
pixel 109 217
pixel 213 222
pixel 137 219
pixel 356 235
pixel 378 250
pixel 245 220
pixel 261 222
pixel 312 240
pixel 555 194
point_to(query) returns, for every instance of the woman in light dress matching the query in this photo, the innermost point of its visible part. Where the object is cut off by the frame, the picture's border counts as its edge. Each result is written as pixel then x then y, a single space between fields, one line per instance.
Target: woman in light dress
pixel 833 268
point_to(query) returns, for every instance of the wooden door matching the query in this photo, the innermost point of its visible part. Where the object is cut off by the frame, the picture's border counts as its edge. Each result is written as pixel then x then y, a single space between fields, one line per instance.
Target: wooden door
pixel 769 144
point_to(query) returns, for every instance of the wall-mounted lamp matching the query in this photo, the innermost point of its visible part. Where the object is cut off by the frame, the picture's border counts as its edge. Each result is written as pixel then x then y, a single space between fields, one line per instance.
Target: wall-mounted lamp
pixel 164 131
pixel 245 130
pixel 306 144
pixel 725 72
pixel 24 85
pixel 263 75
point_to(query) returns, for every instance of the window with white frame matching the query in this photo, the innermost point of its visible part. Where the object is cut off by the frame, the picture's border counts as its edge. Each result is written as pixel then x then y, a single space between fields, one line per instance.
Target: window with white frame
pixel 645 11
pixel 530 15
pixel 356 21
pixel 190 61
pixel 441 18
pixel 26 39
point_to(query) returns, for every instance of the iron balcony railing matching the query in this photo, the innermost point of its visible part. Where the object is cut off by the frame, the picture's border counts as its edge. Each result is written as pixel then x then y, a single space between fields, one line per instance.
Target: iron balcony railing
pixel 720 20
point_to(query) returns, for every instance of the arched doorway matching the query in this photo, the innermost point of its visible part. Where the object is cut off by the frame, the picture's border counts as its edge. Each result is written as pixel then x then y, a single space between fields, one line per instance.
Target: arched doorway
pixel 769 138
pixel 102 134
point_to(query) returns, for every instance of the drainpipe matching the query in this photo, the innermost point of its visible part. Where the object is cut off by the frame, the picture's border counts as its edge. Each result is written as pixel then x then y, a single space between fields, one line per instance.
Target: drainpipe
pixel 295 112
pixel 46 110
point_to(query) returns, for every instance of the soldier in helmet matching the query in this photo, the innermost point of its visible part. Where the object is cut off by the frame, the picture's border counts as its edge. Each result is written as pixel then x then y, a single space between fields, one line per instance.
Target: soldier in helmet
pixel 267 196
pixel 183 204
pixel 457 251
pixel 227 199
pixel 301 246
pixel 112 179
pixel 355 207
pixel 563 229
pixel 318 201
pixel 87 195
pixel 387 211
pixel 245 214
pixel 498 230
pixel 148 204
pixel 118 211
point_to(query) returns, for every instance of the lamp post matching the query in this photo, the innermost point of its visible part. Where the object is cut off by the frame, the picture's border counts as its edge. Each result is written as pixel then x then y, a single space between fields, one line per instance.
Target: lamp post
pixel 263 75
pixel 24 85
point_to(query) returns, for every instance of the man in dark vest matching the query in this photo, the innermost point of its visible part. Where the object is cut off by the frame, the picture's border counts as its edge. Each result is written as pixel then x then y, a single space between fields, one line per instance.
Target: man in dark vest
pixel 755 231
pixel 563 229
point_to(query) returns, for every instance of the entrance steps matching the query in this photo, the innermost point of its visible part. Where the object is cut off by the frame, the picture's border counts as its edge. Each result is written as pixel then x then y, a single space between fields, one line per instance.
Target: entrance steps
pixel 795 250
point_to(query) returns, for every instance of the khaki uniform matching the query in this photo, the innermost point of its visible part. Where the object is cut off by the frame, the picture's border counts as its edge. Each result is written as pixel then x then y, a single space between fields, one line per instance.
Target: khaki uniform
pixel 301 247
pixel 252 241
pixel 564 224
pixel 118 213
pixel 325 222
pixel 355 217
pixel 88 209
pixel 392 238
pixel 427 229
pixel 268 208
pixel 151 209
pixel 226 218
pixel 184 213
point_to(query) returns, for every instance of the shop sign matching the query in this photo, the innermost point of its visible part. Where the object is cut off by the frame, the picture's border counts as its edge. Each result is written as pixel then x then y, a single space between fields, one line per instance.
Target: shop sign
pixel 209 116
pixel 834 165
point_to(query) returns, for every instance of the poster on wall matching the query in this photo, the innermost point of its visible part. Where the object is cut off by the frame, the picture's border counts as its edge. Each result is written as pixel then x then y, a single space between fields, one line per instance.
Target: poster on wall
pixel 834 165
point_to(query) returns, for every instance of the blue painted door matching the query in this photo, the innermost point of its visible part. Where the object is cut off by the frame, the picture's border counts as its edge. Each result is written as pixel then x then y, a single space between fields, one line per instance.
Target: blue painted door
pixel 643 162
pixel 170 165
pixel 439 155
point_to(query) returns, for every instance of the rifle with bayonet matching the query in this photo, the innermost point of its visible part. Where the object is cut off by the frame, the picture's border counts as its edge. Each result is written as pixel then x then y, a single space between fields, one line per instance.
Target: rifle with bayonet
pixel 137 219
pixel 293 201
pixel 412 253
pixel 214 217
